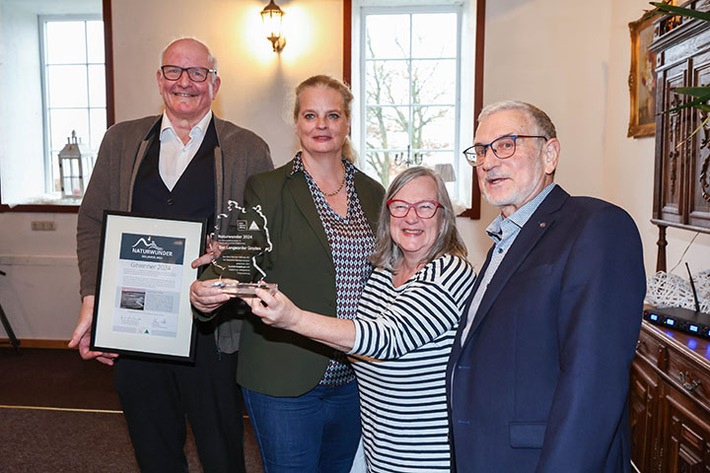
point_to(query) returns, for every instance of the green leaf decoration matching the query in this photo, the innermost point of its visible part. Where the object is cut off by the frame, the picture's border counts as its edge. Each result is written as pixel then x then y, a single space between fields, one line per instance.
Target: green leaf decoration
pixel 701 95
pixel 686 12
pixel 699 103
pixel 703 91
pixel 701 99
pixel 700 127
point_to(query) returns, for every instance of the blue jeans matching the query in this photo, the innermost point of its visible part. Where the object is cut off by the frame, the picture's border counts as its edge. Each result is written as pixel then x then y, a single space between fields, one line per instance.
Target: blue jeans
pixel 318 431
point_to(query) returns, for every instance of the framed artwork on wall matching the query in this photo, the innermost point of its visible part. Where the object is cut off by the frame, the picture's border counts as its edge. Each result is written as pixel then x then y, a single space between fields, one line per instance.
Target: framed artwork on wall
pixel 642 78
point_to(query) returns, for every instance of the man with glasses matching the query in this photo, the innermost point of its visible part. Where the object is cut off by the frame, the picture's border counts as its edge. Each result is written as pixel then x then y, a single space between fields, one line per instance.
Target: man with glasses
pixel 539 373
pixel 185 163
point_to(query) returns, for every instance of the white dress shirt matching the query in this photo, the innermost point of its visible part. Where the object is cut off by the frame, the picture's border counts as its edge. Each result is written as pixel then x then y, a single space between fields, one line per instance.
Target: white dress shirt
pixel 175 156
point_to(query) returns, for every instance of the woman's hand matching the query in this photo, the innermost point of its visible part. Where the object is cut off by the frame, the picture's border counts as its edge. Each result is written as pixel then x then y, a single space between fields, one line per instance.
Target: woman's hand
pixel 276 310
pixel 208 296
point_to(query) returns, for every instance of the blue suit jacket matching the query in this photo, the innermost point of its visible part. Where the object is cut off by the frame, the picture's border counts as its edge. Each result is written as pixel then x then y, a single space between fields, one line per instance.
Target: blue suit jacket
pixel 541 382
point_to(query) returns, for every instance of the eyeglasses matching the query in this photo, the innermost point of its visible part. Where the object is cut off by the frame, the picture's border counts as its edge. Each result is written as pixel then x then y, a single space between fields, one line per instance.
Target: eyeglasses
pixel 196 74
pixel 503 147
pixel 425 209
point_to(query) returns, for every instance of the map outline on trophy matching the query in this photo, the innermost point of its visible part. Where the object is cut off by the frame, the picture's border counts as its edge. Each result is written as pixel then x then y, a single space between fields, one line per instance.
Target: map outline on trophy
pixel 240 236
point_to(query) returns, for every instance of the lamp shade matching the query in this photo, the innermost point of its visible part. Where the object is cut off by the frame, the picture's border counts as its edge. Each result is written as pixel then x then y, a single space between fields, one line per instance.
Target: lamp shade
pixel 446 171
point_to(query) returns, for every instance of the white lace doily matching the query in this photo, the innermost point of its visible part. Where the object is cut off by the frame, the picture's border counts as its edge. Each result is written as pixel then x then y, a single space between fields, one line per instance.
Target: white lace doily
pixel 670 290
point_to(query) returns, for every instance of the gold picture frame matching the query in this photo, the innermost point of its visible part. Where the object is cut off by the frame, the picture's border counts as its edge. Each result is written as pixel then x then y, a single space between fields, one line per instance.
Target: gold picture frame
pixel 642 78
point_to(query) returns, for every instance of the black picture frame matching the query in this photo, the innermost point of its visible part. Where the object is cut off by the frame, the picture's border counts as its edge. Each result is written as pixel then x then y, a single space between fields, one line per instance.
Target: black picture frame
pixel 142 304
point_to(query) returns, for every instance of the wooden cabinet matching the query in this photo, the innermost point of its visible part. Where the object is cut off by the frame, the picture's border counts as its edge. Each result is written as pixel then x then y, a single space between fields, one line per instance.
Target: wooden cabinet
pixel 682 164
pixel 670 402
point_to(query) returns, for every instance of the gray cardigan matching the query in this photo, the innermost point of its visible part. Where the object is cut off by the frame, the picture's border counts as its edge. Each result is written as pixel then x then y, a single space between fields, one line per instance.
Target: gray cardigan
pixel 239 154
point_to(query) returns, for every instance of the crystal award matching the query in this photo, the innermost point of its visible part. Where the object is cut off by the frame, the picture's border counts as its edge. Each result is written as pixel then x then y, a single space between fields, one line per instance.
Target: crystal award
pixel 240 237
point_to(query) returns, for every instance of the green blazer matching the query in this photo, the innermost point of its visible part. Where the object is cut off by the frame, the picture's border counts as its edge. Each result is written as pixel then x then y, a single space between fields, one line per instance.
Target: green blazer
pixel 279 362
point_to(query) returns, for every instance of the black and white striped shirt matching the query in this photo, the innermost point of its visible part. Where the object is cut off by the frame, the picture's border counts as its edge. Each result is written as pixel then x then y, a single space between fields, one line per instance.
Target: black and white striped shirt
pixel 403 338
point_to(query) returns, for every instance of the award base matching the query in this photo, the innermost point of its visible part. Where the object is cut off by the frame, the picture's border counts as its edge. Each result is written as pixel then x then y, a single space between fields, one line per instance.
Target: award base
pixel 245 289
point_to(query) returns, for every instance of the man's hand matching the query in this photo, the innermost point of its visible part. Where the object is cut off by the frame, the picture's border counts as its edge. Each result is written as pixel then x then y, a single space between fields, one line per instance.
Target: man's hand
pixel 202 260
pixel 206 297
pixel 81 337
pixel 212 251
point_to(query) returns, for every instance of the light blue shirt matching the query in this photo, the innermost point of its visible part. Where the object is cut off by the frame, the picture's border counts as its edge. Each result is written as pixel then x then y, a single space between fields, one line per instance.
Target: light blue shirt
pixel 503 232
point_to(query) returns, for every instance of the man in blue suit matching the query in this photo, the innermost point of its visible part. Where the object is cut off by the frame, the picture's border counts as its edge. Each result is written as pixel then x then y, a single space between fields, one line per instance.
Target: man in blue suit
pixel 539 374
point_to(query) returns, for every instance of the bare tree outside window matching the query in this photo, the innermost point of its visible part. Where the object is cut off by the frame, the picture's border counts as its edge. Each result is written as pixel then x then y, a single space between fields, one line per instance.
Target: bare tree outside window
pixel 410 90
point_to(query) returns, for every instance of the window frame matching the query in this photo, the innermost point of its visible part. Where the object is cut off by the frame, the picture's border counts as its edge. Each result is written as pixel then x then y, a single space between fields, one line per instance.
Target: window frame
pixel 110 116
pixel 473 212
pixel 49 153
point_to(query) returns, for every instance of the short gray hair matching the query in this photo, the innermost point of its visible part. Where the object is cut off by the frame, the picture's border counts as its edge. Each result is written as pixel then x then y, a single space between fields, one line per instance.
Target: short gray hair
pixel 539 118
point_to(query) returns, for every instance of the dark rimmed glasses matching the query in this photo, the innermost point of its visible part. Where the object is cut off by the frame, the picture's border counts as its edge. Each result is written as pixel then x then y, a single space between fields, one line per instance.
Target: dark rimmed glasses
pixel 503 147
pixel 196 74
pixel 424 209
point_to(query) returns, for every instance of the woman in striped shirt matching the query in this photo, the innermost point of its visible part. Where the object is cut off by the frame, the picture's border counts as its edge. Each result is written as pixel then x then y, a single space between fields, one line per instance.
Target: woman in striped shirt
pixel 406 321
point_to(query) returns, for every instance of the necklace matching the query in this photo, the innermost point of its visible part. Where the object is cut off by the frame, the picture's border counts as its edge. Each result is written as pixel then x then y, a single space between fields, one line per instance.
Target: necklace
pixel 342 184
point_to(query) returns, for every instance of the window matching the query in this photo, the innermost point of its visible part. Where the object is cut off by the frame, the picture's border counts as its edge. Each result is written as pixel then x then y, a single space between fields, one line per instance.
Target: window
pixel 74 91
pixel 411 106
pixel 54 82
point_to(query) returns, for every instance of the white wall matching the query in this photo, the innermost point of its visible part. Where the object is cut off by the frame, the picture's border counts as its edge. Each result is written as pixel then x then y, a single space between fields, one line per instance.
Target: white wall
pixel 42 300
pixel 40 293
pixel 628 163
pixel 256 82
pixel 571 57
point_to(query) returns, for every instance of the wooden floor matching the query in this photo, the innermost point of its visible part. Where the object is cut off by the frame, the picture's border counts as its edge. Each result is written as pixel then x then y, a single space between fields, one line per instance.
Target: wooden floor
pixel 59 413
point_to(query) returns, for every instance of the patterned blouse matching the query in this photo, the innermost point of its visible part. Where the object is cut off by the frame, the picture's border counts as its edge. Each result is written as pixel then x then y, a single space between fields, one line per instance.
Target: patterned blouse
pixel 351 243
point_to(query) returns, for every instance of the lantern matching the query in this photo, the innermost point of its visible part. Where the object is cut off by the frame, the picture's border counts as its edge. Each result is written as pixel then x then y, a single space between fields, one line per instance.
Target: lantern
pixel 75 165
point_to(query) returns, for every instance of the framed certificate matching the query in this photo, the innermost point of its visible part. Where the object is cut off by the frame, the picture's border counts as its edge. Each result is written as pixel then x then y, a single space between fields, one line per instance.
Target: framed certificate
pixel 142 293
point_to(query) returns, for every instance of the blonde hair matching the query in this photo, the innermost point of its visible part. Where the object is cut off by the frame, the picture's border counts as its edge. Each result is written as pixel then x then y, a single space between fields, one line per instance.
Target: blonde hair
pixel 322 80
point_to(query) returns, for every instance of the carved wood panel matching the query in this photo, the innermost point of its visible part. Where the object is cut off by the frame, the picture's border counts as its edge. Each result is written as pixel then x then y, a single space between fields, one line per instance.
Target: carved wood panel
pixel 670 402
pixel 681 193
pixel 643 401
pixel 674 147
pixel 688 436
pixel 699 179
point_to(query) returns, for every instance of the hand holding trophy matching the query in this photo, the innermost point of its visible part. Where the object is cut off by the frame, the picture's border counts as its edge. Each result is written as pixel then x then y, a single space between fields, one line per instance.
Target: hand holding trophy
pixel 240 236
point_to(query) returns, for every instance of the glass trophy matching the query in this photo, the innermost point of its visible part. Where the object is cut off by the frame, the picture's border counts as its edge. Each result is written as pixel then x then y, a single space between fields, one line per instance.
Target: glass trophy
pixel 241 236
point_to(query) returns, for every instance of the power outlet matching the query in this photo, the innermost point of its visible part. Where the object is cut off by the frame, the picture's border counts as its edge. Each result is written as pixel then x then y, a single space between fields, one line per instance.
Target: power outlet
pixel 44 225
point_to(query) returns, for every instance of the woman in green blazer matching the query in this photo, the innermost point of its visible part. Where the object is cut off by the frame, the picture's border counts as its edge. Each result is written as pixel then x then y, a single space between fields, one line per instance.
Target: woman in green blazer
pixel 321 213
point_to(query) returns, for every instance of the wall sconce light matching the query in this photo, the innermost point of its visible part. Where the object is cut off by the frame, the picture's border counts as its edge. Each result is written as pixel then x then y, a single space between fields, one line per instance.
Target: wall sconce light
pixel 272 15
